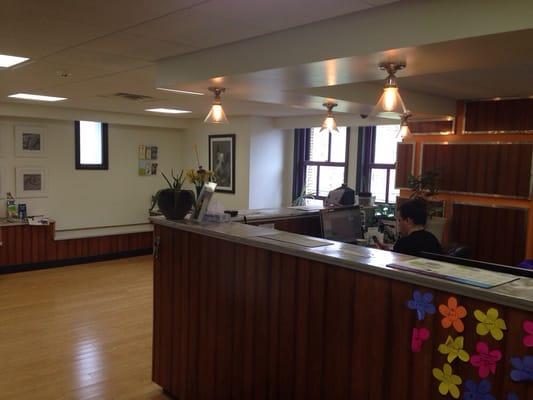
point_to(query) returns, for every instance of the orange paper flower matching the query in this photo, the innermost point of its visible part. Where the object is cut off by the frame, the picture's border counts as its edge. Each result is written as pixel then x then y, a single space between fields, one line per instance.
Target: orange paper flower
pixel 452 315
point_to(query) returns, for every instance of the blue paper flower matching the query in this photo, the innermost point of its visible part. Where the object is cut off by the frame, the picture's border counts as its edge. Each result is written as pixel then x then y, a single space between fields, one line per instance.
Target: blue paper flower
pixel 512 396
pixel 478 392
pixel 523 371
pixel 422 304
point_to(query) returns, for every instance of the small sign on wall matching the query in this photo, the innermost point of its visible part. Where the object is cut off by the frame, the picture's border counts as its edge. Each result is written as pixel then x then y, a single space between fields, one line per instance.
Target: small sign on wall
pixel 148 160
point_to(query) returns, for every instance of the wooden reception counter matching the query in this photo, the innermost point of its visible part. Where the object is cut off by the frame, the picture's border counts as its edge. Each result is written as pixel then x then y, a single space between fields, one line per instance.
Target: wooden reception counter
pixel 239 315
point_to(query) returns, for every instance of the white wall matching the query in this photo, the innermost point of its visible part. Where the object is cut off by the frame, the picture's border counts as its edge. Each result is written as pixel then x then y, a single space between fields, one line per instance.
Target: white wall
pixel 80 199
pixel 267 157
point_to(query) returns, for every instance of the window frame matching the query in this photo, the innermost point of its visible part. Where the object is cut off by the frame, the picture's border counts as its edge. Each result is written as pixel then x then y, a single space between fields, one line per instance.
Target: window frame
pixel 366 160
pixel 301 160
pixel 104 165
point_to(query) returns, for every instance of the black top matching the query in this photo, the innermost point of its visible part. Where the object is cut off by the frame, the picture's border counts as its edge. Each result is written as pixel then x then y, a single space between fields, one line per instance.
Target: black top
pixel 416 242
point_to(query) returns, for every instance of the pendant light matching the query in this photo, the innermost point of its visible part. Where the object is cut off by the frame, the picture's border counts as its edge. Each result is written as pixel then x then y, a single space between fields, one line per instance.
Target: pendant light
pixel 216 114
pixel 404 125
pixel 390 104
pixel 329 124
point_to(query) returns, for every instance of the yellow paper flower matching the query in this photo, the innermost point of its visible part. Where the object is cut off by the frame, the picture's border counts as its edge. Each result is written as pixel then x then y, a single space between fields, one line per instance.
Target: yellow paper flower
pixel 454 349
pixel 490 323
pixel 448 381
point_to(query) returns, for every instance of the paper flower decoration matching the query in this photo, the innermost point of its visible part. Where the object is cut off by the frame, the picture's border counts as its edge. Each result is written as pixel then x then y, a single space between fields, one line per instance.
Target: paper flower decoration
pixel 528 328
pixel 420 335
pixel 523 369
pixel 422 303
pixel 512 396
pixel 448 381
pixel 454 349
pixel 452 315
pixel 490 323
pixel 485 360
pixel 474 391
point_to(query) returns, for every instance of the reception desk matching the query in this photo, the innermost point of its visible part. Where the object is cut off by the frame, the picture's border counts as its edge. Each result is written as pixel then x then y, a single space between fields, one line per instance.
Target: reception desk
pixel 238 315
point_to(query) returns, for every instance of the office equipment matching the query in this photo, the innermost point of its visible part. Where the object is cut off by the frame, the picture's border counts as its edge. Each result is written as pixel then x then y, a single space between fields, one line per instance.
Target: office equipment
pixel 341 224
pixel 342 196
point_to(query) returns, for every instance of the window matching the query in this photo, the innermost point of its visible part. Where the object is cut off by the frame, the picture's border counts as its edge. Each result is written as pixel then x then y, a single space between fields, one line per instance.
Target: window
pixel 320 161
pixel 91 145
pixel 377 161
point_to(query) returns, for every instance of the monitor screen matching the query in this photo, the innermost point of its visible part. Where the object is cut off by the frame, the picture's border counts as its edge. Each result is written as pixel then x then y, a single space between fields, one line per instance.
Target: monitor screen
pixel 341 224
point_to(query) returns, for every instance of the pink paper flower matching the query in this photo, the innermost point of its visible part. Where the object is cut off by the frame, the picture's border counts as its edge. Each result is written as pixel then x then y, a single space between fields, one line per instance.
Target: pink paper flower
pixel 528 328
pixel 485 360
pixel 420 335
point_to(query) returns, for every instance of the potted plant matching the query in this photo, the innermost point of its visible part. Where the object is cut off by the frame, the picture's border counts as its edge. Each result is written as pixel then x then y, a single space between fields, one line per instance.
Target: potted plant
pixel 174 202
pixel 424 187
pixel 198 177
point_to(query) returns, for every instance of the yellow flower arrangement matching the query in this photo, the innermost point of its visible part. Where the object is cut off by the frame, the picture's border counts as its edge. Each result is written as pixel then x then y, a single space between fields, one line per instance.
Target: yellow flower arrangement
pixel 448 381
pixel 490 322
pixel 454 349
pixel 199 176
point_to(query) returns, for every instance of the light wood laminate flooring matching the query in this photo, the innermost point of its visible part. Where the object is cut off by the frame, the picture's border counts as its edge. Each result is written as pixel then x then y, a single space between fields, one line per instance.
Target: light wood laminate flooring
pixel 78 332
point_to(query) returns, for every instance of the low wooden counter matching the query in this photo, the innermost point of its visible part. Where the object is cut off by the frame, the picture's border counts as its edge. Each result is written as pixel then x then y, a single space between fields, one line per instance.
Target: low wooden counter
pixel 239 316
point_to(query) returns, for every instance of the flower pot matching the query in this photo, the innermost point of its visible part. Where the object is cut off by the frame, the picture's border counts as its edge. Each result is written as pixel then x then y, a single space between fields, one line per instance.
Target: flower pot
pixel 175 204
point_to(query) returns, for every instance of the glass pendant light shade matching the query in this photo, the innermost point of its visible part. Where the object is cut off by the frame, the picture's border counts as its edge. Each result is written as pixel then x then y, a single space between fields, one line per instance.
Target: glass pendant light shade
pixel 390 104
pixel 329 124
pixel 404 126
pixel 216 114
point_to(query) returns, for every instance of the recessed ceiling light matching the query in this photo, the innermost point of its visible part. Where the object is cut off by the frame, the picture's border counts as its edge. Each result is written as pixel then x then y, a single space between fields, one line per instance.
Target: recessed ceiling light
pixel 180 91
pixel 167 110
pixel 36 97
pixel 8 61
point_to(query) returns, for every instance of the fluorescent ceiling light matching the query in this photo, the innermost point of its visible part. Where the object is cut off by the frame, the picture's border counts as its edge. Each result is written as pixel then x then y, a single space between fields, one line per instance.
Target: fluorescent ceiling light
pixel 37 97
pixel 8 61
pixel 180 91
pixel 167 110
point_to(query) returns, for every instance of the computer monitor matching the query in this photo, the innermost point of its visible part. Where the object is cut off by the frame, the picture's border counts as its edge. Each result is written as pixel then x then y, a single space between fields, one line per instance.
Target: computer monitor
pixel 478 264
pixel 342 224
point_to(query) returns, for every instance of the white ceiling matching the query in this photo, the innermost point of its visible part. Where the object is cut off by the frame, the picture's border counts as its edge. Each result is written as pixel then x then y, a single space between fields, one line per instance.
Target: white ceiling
pixel 111 46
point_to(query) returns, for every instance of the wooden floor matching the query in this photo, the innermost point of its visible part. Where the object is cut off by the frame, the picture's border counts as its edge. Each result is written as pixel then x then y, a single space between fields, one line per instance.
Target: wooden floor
pixel 78 332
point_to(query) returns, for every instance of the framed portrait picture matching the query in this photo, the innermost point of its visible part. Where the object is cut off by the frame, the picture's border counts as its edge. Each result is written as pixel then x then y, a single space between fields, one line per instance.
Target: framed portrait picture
pixel 30 141
pixel 31 182
pixel 222 161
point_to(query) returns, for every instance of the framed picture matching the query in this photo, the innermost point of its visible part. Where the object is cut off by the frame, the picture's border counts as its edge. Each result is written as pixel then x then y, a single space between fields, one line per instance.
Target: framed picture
pixel 30 141
pixel 31 182
pixel 222 161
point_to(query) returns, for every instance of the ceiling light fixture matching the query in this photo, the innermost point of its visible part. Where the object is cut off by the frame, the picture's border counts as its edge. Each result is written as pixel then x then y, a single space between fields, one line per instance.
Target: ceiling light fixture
pixel 216 114
pixel 329 124
pixel 390 104
pixel 404 125
pixel 167 110
pixel 36 97
pixel 9 61
pixel 180 91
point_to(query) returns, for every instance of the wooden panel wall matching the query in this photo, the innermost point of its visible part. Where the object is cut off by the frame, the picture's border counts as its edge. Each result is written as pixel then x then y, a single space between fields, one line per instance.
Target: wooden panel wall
pixel 25 244
pixel 494 234
pixel 431 127
pixel 404 163
pixel 500 169
pixel 306 225
pixel 237 322
pixel 499 116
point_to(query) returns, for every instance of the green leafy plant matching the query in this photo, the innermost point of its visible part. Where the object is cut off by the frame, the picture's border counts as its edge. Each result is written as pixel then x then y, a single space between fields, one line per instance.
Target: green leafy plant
pixel 424 187
pixel 177 181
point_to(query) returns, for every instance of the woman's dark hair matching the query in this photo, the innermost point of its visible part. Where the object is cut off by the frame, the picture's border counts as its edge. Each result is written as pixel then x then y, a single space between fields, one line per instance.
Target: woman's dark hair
pixel 415 209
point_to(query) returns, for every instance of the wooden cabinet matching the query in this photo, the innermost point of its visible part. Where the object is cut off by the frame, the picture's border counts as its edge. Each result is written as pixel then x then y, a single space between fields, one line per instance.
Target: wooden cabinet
pixel 504 116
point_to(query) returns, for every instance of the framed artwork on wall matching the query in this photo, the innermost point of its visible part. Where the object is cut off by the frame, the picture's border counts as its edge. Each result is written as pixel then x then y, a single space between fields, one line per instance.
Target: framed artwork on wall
pixel 222 161
pixel 30 141
pixel 31 182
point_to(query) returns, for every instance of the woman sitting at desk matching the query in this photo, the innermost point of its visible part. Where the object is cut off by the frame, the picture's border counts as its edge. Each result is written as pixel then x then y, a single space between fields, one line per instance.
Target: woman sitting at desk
pixel 411 217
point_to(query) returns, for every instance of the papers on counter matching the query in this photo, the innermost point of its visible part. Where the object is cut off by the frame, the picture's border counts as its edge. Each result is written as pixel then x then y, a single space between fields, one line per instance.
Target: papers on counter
pixel 296 239
pixel 457 273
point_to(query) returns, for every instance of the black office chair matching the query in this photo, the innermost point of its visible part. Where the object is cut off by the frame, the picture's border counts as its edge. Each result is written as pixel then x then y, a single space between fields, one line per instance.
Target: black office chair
pixel 457 250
